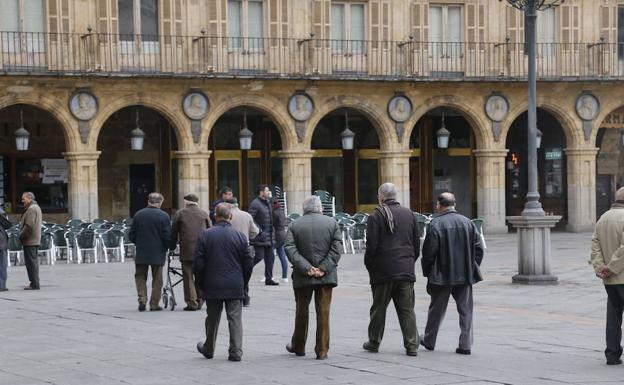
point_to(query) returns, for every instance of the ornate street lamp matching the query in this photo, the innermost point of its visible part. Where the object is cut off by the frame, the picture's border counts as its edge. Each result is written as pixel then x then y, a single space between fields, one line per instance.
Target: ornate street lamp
pixel 443 135
pixel 137 136
pixel 539 134
pixel 22 136
pixel 347 135
pixel 245 135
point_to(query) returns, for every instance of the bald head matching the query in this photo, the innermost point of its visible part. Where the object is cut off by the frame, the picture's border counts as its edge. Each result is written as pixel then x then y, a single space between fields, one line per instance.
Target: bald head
pixel 446 201
pixel 619 194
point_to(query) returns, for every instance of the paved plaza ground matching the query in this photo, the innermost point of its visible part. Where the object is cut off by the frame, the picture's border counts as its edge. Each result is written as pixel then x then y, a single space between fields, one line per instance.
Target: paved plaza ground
pixel 83 327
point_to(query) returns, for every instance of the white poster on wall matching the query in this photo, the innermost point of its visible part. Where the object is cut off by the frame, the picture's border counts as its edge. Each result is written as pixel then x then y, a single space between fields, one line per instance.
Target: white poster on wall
pixel 54 171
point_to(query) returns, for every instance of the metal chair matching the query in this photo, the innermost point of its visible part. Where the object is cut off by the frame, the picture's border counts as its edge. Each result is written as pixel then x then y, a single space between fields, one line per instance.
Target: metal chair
pixel 112 240
pixel 422 221
pixel 128 244
pixel 328 202
pixel 479 226
pixel 46 247
pixel 72 247
pixel 59 242
pixel 357 233
pixel 75 223
pixel 15 248
pixel 292 216
pixel 86 240
pixel 345 226
pixel 280 196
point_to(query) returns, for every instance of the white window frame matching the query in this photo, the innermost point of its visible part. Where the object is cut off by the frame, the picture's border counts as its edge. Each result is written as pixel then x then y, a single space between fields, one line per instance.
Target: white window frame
pixel 128 46
pixel 32 42
pixel 243 42
pixel 444 46
pixel 346 45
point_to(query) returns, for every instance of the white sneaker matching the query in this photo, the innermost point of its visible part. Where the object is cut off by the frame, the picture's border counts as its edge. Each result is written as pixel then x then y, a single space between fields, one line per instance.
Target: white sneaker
pixel 284 280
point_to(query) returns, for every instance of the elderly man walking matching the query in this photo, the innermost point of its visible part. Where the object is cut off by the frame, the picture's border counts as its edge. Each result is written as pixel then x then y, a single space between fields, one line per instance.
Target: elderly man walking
pixel 607 258
pixel 313 245
pixel 223 265
pixel 188 223
pixel 392 247
pixel 30 237
pixel 452 253
pixel 151 233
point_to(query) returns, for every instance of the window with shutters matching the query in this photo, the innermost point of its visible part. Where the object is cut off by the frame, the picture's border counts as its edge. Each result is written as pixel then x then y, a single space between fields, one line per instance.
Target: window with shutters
pixel 546 32
pixel 348 27
pixel 620 34
pixel 138 17
pixel 245 24
pixel 22 18
pixel 445 29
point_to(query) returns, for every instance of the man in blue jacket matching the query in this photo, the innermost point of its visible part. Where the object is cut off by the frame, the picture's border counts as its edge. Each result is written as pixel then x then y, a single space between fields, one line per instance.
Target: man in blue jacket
pixel 222 266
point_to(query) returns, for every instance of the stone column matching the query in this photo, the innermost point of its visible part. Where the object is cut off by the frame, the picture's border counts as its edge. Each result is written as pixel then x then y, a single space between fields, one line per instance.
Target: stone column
pixel 297 174
pixel 394 166
pixel 193 176
pixel 581 188
pixel 83 184
pixel 491 189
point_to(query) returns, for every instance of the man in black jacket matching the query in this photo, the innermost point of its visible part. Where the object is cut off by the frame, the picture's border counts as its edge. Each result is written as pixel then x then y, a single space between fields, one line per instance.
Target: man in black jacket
pixel 151 233
pixel 4 246
pixel 222 265
pixel 261 211
pixel 452 254
pixel 392 247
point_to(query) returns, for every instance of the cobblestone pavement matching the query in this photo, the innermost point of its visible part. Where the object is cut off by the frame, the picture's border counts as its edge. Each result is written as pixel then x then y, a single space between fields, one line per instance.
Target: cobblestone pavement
pixel 83 328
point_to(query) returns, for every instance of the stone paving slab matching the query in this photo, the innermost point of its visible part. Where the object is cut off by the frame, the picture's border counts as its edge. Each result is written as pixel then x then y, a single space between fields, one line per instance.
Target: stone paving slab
pixel 83 328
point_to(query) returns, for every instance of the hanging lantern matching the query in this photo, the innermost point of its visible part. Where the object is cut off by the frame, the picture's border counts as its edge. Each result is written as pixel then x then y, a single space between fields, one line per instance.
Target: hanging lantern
pixel 245 135
pixel 347 136
pixel 443 135
pixel 22 136
pixel 137 136
pixel 538 141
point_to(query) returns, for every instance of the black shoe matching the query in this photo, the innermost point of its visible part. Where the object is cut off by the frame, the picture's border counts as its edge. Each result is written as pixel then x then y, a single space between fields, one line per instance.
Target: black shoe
pixel 321 356
pixel 617 361
pixel 422 342
pixel 271 282
pixel 4 289
pixel 466 351
pixel 246 301
pixel 200 348
pixel 370 347
pixel 156 308
pixel 290 349
pixel 189 308
pixel 141 307
pixel 31 288
pixel 411 353
pixel 234 358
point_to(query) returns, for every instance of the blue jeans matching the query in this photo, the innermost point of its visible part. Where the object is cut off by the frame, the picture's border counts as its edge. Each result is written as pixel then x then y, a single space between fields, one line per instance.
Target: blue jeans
pixel 282 256
pixel 3 269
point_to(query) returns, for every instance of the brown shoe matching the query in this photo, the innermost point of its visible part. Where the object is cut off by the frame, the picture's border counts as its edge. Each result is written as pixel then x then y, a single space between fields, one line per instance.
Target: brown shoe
pixel 321 356
pixel 290 349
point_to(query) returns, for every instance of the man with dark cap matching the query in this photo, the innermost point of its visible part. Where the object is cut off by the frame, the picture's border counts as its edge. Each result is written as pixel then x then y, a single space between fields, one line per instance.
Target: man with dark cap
pixel 451 256
pixel 188 224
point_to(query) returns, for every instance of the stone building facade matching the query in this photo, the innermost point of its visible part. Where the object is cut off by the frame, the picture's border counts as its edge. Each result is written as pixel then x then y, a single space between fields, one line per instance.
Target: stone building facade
pixel 296 73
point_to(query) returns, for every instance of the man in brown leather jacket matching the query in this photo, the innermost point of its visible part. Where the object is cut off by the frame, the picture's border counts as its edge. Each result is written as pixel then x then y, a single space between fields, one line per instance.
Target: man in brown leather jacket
pixel 30 237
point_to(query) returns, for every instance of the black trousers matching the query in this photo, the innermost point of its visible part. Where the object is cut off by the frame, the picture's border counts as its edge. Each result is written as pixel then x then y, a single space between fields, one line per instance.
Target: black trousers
pixel 266 253
pixel 32 265
pixel 462 294
pixel 615 307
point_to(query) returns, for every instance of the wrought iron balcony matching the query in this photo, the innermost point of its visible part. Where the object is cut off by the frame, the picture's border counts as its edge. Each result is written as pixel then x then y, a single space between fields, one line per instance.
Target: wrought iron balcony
pixel 97 54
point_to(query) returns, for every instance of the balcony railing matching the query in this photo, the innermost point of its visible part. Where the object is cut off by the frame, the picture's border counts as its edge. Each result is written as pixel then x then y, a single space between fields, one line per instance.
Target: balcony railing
pixel 231 57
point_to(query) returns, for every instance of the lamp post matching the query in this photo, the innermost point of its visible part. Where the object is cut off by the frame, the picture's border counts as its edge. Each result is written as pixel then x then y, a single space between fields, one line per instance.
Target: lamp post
pixel 533 225
pixel 22 136
pixel 347 135
pixel 245 135
pixel 137 136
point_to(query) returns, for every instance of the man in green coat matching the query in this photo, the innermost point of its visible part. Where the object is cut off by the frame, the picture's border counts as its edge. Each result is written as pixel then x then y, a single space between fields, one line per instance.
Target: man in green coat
pixel 313 245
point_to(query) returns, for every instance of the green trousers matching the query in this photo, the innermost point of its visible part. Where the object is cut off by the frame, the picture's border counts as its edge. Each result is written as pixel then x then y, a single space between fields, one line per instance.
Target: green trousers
pixel 402 294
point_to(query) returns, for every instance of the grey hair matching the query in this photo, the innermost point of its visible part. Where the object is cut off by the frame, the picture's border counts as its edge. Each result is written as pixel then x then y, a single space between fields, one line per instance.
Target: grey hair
pixel 30 195
pixel 155 198
pixel 387 191
pixel 619 194
pixel 223 211
pixel 312 204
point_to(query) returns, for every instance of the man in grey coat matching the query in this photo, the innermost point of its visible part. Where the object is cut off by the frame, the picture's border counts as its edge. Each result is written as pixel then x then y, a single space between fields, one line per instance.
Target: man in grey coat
pixel 313 245
pixel 30 237
pixel 151 233
pixel 451 256
pixel 188 224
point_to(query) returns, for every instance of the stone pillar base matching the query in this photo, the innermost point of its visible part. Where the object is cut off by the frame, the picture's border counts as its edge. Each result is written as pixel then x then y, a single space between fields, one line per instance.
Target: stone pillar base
pixel 534 249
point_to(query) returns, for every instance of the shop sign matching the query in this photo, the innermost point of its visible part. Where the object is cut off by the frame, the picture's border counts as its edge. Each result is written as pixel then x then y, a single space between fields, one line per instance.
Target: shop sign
pixel 54 171
pixel 554 154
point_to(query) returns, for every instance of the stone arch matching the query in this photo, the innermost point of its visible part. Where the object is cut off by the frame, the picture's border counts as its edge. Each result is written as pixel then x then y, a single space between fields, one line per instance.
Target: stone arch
pixel 606 107
pixel 371 111
pixel 480 125
pixel 573 133
pixel 180 125
pixel 269 106
pixel 56 108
